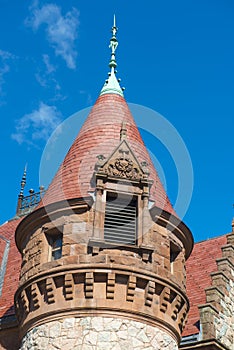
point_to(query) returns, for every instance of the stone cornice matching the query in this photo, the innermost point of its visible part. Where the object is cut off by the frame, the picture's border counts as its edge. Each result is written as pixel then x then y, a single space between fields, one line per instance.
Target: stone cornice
pixel 64 292
pixel 178 227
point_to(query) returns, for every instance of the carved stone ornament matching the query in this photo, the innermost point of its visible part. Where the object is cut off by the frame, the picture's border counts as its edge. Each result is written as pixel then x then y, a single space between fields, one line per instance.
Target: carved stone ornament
pixel 123 167
pixel 123 163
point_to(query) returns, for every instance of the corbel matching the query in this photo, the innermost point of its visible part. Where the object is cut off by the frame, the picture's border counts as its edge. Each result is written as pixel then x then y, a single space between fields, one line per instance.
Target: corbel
pixel 164 299
pixel 131 288
pixel 149 293
pixel 110 286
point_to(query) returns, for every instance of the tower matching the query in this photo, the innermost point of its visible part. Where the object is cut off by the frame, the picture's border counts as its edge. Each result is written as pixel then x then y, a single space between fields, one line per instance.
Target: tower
pixel 103 254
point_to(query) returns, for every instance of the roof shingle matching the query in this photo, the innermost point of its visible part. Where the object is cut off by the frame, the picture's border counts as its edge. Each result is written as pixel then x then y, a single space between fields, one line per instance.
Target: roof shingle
pixel 100 134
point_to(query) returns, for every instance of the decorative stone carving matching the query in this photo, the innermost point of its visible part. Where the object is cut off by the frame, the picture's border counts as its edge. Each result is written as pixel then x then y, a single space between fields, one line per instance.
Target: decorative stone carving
pixel 123 167
pixel 123 164
pixel 149 293
pixel 89 280
pixel 24 301
pixel 134 294
pixel 35 295
pixel 183 314
pixel 131 288
pixel 164 299
pixel 110 286
pixel 68 286
pixel 50 289
pixel 175 307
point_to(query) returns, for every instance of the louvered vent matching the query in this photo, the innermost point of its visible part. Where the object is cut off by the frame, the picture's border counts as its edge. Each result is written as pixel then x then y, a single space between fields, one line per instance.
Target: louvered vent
pixel 121 220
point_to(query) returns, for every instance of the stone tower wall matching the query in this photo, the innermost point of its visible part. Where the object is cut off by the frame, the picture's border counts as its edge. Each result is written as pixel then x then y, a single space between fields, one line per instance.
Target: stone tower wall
pixel 140 282
pixel 91 333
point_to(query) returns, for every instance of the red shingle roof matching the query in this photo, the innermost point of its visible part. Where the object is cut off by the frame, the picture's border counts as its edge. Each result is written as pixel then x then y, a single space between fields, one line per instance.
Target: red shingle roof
pixel 100 134
pixel 199 266
pixel 11 276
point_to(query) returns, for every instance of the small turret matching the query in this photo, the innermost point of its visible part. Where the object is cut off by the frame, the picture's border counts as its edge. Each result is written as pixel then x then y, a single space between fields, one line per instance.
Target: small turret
pixel 104 252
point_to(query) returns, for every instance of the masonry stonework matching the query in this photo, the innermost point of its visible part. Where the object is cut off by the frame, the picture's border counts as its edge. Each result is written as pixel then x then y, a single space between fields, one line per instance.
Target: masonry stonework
pixel 104 243
pixel 97 333
pixel 217 315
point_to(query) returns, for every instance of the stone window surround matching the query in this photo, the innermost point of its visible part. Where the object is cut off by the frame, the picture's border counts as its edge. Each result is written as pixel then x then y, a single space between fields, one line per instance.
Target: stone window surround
pixel 125 200
pixel 137 189
pixel 49 234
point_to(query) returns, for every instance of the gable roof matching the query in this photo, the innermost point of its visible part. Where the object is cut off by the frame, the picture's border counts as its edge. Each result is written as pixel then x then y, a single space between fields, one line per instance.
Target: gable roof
pixel 199 267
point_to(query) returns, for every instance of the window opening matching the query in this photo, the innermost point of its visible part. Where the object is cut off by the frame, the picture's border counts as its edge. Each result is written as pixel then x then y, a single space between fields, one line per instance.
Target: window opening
pixel 120 224
pixel 55 242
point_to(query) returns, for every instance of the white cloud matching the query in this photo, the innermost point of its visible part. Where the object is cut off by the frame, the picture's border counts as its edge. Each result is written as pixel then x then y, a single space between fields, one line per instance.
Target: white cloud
pixel 5 56
pixel 61 30
pixel 37 125
pixel 50 68
pixel 45 77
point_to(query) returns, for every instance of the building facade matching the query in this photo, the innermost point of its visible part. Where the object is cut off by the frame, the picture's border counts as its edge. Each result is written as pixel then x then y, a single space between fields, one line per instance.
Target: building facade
pixel 101 258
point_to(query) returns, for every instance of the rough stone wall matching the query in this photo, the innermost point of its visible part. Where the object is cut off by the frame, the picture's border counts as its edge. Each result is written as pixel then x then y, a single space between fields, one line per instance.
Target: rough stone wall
pixel 94 333
pixel 224 323
pixel 217 315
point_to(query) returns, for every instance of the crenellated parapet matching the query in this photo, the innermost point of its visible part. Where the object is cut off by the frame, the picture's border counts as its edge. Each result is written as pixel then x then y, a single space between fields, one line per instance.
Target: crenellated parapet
pixel 217 314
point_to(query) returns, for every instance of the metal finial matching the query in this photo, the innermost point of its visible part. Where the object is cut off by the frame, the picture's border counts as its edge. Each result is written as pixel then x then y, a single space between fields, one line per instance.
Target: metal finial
pixel 23 181
pixel 111 85
pixel 113 45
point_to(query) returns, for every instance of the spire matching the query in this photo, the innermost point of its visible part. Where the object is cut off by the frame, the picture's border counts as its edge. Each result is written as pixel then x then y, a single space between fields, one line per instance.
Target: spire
pixel 21 194
pixel 109 122
pixel 111 85
pixel 113 45
pixel 23 182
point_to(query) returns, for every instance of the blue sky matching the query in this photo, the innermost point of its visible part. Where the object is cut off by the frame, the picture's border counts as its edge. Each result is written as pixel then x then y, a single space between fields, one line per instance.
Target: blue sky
pixel 175 57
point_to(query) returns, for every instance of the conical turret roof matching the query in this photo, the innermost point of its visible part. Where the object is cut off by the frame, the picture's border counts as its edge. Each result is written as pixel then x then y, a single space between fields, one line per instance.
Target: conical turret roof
pixel 100 135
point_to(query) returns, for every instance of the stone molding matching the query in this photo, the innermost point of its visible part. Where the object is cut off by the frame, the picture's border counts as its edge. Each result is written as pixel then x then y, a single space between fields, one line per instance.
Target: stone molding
pixel 106 290
pixel 175 225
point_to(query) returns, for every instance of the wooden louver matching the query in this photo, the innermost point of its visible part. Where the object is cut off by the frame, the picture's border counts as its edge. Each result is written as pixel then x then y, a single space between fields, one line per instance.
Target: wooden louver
pixel 121 220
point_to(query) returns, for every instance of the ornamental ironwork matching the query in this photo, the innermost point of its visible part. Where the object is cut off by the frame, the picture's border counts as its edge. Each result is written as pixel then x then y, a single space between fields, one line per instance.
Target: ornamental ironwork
pixel 27 203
